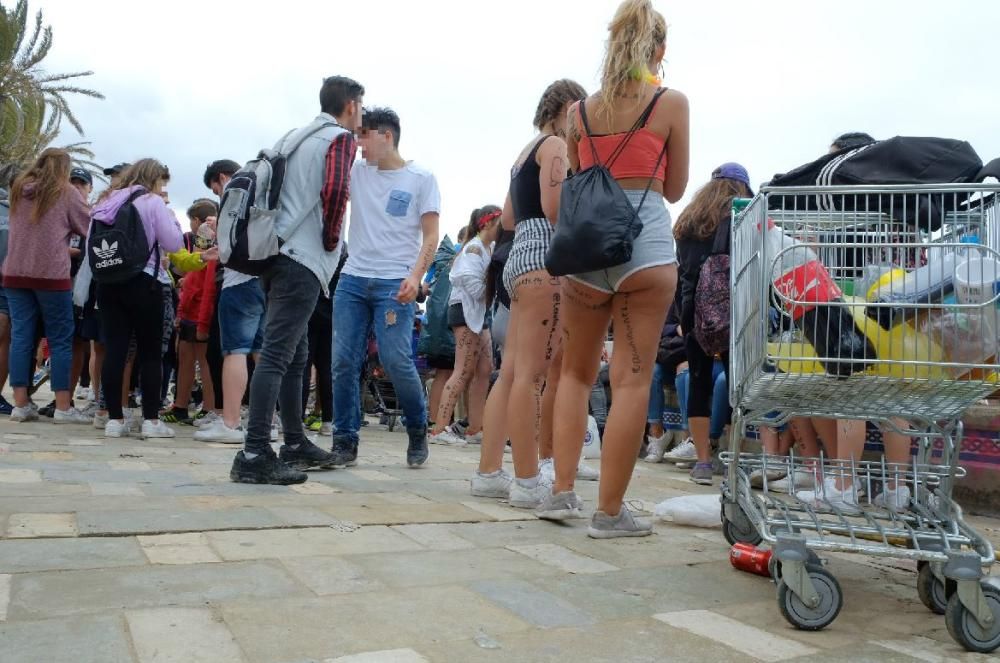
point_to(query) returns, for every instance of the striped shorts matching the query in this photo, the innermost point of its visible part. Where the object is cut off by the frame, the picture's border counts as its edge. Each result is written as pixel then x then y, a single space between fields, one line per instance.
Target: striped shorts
pixel 531 242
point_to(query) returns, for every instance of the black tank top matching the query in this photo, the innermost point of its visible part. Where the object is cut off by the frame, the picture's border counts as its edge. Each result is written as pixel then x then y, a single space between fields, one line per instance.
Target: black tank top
pixel 525 192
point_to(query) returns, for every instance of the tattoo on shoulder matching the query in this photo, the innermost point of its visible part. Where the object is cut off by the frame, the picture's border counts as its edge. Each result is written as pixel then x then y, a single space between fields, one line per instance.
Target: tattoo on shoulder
pixel 474 250
pixel 558 172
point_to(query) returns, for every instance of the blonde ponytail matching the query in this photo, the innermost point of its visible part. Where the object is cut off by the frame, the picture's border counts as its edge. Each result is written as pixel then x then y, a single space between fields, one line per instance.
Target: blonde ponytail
pixel 634 34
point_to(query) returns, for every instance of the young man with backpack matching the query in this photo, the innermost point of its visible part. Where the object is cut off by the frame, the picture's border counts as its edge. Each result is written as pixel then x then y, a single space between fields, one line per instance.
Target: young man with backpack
pixel 237 332
pixel 309 198
pixel 395 207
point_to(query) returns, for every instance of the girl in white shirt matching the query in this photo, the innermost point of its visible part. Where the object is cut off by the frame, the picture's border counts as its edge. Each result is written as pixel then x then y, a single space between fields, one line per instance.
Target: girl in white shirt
pixel 468 319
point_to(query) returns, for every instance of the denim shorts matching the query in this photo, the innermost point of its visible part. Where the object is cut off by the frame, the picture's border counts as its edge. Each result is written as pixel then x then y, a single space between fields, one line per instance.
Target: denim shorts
pixel 653 247
pixel 241 318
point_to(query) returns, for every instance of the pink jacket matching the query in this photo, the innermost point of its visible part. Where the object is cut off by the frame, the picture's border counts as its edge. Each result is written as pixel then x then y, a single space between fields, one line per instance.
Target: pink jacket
pixel 38 252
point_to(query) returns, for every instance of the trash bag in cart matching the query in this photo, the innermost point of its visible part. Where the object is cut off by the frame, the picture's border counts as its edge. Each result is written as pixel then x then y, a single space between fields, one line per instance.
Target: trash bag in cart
pixel 899 160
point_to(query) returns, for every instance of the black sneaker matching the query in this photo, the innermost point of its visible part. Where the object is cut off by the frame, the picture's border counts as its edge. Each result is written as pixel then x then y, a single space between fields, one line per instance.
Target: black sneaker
pixel 416 452
pixel 307 456
pixel 265 468
pixel 48 411
pixel 5 407
pixel 344 453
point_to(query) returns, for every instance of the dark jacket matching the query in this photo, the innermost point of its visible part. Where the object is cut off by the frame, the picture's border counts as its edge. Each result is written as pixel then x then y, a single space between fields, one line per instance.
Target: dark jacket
pixel 670 353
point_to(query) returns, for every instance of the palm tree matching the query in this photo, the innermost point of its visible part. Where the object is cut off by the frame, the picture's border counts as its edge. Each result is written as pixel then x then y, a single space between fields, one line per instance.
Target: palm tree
pixel 33 102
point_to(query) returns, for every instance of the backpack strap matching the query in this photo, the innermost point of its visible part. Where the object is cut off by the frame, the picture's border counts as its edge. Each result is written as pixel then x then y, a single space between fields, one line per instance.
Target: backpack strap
pixel 303 134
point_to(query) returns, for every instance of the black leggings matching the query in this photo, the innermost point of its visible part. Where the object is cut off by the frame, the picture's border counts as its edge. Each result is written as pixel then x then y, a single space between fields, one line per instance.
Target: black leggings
pixel 701 384
pixel 320 356
pixel 213 355
pixel 136 306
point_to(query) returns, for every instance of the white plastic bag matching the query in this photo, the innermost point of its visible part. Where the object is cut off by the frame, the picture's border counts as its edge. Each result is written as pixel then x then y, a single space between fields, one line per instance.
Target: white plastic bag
pixel 696 510
pixel 592 440
pixel 81 285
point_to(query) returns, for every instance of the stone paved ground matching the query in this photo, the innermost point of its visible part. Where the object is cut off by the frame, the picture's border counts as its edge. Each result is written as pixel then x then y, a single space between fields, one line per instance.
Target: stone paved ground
pixel 123 550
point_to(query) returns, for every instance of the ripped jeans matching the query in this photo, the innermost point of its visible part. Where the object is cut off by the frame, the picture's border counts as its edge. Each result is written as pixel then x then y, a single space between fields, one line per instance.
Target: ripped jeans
pixel 359 304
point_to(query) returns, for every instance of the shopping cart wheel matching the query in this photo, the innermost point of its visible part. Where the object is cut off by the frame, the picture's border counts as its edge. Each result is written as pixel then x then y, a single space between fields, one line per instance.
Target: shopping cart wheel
pixel 739 529
pixel 807 618
pixel 931 590
pixel 966 629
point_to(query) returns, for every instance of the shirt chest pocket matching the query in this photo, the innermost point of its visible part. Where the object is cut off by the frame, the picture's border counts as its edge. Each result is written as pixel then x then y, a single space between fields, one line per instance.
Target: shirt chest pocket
pixel 399 203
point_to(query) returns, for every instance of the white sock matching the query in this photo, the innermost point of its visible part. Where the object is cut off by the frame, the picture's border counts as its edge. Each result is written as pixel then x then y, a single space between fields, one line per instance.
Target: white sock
pixel 528 483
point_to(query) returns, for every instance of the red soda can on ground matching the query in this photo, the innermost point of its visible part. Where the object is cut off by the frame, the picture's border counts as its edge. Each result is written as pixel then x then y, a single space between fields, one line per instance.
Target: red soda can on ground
pixel 751 559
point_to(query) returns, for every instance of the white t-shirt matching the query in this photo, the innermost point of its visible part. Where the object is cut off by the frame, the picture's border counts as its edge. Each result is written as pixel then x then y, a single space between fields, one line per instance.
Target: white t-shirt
pixel 231 277
pixel 386 206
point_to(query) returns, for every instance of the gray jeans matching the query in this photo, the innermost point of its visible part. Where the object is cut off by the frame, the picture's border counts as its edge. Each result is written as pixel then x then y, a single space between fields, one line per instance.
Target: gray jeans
pixel 291 291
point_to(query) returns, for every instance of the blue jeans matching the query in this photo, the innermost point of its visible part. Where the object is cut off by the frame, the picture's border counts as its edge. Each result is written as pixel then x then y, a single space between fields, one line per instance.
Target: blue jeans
pixel 720 400
pixel 359 304
pixel 56 309
pixel 654 411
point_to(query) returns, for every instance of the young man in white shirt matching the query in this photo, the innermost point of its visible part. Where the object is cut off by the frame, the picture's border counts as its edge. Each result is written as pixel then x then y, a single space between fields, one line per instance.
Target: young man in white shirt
pixel 395 208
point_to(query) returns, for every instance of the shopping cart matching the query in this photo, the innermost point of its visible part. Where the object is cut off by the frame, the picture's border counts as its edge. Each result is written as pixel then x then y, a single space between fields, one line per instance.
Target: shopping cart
pixel 918 378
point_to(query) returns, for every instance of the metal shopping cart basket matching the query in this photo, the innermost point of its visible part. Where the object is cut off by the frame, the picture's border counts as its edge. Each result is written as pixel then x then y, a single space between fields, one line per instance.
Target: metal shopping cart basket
pixel 911 355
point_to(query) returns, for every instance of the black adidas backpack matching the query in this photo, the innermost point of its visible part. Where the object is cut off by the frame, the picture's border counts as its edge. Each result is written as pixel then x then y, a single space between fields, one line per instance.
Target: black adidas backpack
pixel 119 251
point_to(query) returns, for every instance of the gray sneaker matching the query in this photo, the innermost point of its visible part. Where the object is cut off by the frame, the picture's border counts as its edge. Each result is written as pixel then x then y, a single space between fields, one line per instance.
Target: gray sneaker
pixel 702 474
pixel 562 506
pixel 603 526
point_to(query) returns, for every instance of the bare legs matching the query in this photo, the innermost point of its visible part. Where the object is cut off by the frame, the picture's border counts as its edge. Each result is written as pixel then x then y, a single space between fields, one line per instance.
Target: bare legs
pixel 468 348
pixel 514 405
pixel 638 309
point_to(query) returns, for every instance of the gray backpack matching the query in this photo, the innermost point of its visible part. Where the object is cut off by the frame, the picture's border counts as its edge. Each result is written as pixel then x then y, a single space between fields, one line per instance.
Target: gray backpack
pixel 248 240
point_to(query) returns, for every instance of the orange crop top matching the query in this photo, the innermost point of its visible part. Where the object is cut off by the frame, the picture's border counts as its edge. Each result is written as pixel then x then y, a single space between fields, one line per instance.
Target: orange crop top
pixel 639 157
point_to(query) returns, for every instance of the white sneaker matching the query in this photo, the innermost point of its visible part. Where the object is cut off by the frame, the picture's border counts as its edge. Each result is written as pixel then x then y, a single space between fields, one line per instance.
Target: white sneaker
pixel 70 416
pixel 585 472
pixel 91 396
pixel 529 498
pixel 474 439
pixel 26 413
pixel 894 499
pixel 801 479
pixel 491 485
pixel 80 393
pixel 90 411
pixel 657 446
pixel 115 428
pixel 682 453
pixel 829 495
pixel 221 433
pixel 547 470
pixel 100 420
pixel 448 437
pixel 326 429
pixel 156 429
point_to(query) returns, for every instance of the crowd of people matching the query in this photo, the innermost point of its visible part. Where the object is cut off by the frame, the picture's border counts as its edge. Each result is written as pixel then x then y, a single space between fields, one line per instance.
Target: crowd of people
pixel 523 351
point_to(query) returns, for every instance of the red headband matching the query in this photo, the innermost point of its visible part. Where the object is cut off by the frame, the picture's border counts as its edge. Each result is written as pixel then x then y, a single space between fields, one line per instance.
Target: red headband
pixel 486 218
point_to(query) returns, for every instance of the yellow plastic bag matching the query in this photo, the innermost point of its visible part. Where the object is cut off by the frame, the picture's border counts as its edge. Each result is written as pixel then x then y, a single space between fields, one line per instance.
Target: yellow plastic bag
pixel 901 343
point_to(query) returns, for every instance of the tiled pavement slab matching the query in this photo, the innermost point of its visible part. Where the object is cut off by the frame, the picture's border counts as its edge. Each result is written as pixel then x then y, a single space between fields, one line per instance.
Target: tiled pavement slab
pixel 122 550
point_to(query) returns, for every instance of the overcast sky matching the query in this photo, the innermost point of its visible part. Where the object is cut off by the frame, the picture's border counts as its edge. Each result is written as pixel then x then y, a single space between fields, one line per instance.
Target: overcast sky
pixel 770 83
